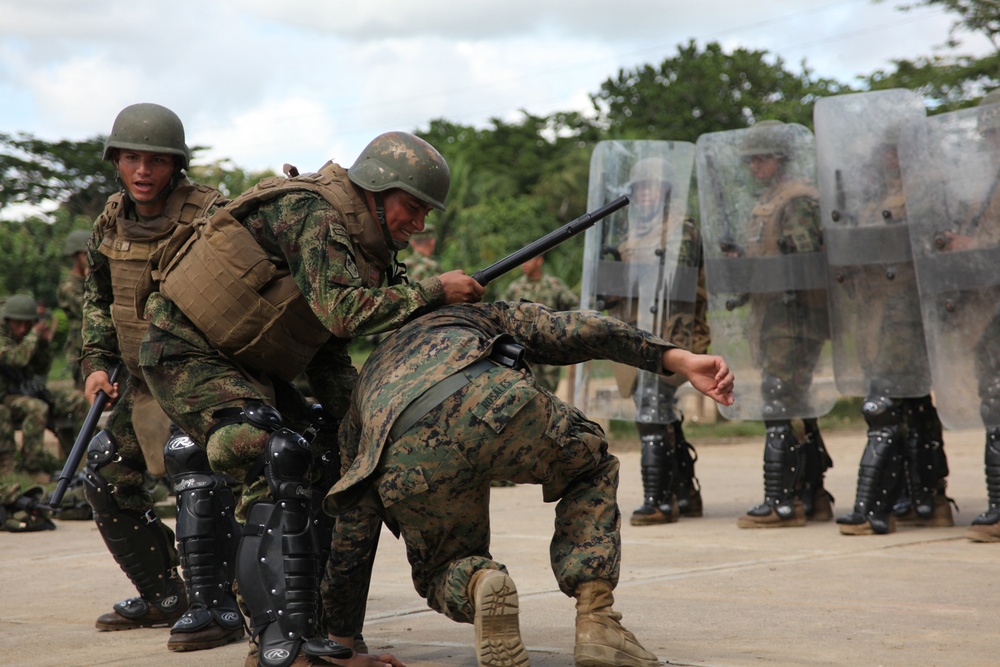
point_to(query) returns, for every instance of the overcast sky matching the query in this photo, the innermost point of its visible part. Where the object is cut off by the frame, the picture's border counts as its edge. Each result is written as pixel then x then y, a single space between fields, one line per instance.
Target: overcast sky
pixel 265 82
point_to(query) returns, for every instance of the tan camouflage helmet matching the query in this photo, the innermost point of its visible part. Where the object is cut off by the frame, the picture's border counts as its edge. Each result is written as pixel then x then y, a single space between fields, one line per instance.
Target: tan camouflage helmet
pixel 148 127
pixel 76 242
pixel 403 160
pixel 652 169
pixel 989 112
pixel 767 137
pixel 21 307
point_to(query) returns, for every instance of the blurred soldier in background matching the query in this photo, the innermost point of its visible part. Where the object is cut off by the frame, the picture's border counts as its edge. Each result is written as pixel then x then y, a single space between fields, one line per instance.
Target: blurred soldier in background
pixel 420 264
pixel 879 350
pixel 645 267
pixel 769 314
pixel 25 360
pixel 277 283
pixel 537 286
pixel 148 149
pixel 71 300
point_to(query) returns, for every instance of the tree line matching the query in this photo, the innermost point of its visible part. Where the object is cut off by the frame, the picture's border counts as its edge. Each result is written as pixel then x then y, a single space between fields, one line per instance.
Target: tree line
pixel 512 182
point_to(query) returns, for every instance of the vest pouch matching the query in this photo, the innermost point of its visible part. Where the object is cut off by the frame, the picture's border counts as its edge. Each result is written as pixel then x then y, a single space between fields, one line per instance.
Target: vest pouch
pixel 288 333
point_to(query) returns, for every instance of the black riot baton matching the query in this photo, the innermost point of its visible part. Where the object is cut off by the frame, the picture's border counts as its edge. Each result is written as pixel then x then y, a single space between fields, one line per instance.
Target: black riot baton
pixel 82 440
pixel 547 242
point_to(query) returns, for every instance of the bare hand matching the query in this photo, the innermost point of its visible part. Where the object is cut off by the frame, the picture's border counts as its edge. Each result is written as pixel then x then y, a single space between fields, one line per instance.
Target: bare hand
pixel 460 288
pixel 707 373
pixel 956 242
pixel 99 381
pixel 44 330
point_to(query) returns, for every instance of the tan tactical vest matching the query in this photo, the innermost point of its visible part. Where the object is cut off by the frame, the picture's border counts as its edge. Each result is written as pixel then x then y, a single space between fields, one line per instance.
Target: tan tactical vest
pixel 765 229
pixel 129 244
pixel 245 305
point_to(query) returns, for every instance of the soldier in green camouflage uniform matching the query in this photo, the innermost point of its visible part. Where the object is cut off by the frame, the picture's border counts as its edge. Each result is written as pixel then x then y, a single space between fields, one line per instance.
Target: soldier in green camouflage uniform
pixel 787 333
pixel 420 264
pixel 24 511
pixel 26 354
pixel 537 286
pixel 444 406
pixel 330 239
pixel 70 297
pixel 148 149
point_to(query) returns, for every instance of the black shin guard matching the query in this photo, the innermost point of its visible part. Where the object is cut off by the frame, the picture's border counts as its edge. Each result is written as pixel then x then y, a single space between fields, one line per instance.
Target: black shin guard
pixel 659 469
pixel 141 545
pixel 880 473
pixel 783 465
pixel 277 563
pixel 687 489
pixel 816 461
pixel 207 538
pixel 992 465
pixel 925 461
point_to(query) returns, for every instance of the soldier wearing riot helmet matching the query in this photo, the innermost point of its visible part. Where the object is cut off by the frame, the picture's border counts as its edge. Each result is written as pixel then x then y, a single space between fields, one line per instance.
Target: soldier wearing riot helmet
pixel 147 146
pixel 318 268
pixel 879 347
pixel 670 488
pixel 986 222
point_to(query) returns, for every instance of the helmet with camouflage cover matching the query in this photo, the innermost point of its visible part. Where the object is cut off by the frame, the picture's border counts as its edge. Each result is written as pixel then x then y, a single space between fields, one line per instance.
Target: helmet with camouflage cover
pixel 20 307
pixel 403 160
pixel 76 242
pixel 148 127
pixel 651 169
pixel 767 137
pixel 989 112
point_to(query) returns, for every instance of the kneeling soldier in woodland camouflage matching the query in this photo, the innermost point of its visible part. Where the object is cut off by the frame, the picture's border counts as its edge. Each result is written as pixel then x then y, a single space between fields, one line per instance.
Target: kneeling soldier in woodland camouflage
pixel 446 405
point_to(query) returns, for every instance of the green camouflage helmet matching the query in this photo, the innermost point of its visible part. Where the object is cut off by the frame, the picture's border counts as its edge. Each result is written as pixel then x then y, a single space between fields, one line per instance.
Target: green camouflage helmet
pixel 76 242
pixel 405 161
pixel 21 307
pixel 767 137
pixel 148 127
pixel 989 112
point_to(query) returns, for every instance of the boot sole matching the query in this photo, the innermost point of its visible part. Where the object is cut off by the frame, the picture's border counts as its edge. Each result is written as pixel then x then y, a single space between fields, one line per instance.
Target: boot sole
pixel 182 645
pixel 593 655
pixel 981 536
pixel 498 636
pixel 865 528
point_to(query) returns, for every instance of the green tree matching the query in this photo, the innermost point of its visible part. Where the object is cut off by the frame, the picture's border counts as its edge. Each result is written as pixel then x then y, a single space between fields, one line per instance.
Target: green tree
pixel 65 173
pixel 696 92
pixel 226 176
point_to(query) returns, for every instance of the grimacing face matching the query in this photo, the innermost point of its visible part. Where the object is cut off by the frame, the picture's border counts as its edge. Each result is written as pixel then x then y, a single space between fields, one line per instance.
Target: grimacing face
pixel 404 214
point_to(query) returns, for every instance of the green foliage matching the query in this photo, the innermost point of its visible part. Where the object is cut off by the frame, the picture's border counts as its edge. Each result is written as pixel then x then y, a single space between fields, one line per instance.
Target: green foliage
pixel 68 173
pixel 707 91
pixel 227 177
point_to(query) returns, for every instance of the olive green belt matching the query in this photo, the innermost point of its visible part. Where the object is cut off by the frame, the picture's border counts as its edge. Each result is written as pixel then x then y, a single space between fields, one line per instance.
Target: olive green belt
pixel 435 395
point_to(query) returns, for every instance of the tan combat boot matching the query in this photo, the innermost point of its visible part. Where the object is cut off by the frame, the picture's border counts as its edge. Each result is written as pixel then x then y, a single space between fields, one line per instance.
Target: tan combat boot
pixel 601 641
pixel 498 636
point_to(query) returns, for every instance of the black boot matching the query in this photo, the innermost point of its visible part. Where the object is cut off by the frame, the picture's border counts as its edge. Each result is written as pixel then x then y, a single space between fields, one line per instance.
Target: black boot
pixel 818 502
pixel 986 526
pixel 659 470
pixel 783 464
pixel 687 488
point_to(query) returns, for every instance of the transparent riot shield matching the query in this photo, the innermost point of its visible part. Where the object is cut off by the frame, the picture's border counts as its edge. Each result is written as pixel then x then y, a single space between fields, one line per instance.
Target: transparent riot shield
pixel 951 177
pixel 640 265
pixel 875 318
pixel 766 270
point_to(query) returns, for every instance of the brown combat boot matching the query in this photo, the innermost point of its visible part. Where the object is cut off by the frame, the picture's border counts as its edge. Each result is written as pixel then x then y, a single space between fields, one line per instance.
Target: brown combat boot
pixel 601 641
pixel 139 613
pixel 498 636
pixel 941 517
pixel 822 507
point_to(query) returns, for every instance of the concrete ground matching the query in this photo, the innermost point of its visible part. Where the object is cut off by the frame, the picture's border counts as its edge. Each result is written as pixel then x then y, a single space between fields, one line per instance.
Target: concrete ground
pixel 699 592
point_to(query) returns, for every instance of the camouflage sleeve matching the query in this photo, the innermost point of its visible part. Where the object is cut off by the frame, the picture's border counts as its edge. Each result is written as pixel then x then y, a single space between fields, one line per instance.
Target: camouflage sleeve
pixel 70 298
pixel 100 343
pixel 332 377
pixel 800 226
pixel 321 257
pixel 574 336
pixel 19 355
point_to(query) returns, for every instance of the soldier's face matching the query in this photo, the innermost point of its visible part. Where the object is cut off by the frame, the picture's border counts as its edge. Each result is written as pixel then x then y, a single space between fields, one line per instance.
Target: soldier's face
pixel 764 167
pixel 146 175
pixel 404 214
pixel 19 328
pixel 648 198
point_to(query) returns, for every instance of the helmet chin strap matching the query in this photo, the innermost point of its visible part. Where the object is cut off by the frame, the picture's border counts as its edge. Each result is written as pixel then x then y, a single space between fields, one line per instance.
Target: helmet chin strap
pixel 398 275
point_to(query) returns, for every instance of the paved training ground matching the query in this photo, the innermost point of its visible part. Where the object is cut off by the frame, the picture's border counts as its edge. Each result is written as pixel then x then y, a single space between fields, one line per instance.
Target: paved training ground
pixel 698 592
